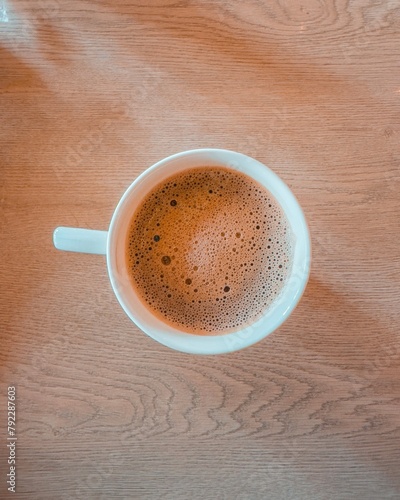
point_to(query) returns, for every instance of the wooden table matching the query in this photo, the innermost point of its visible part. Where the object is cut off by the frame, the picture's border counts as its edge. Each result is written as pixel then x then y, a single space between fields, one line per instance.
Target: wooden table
pixel 92 93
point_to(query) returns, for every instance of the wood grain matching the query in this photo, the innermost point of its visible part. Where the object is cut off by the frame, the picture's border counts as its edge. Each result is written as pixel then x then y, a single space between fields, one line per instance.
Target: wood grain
pixel 91 94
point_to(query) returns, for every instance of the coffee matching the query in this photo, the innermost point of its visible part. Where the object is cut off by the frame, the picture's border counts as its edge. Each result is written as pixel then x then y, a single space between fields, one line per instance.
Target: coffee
pixel 209 250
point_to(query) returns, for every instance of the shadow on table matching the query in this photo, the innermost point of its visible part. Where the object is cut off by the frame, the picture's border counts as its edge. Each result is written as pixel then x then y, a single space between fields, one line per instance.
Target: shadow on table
pixel 347 347
pixel 339 326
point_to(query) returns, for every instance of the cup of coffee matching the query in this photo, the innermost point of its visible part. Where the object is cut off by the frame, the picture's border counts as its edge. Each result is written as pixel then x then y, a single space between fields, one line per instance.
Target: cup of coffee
pixel 208 251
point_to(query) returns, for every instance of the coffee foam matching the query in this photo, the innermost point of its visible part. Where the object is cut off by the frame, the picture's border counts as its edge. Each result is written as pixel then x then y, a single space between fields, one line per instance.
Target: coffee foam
pixel 209 250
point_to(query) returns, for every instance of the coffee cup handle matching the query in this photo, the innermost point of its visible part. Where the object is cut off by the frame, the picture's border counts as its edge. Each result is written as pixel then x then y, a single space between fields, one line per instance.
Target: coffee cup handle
pixel 74 239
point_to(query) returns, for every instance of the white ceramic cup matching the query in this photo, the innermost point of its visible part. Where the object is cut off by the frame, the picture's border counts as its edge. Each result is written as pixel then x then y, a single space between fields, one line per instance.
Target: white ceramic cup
pixel 112 243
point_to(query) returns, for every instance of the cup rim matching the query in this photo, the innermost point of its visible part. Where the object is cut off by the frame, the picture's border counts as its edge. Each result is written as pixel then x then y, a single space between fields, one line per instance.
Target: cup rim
pixel 229 342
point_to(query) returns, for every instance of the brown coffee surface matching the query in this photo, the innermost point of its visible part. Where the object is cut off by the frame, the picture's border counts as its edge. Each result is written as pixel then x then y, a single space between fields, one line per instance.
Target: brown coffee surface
pixel 209 250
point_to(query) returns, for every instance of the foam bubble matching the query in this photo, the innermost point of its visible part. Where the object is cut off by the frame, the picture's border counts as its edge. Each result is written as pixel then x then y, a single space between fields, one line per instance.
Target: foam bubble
pixel 229 264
